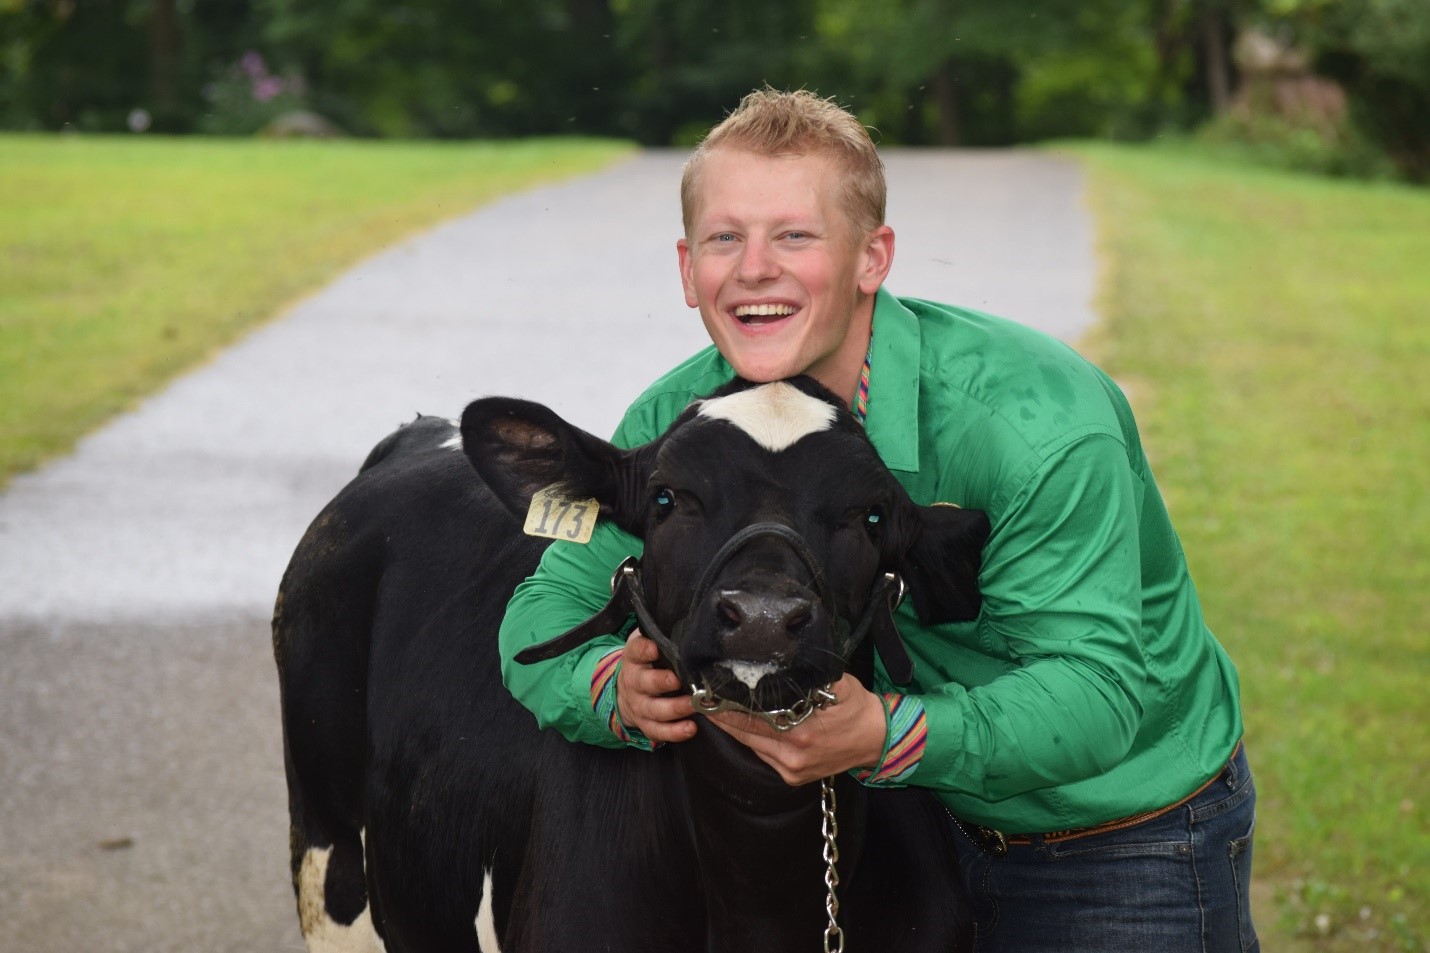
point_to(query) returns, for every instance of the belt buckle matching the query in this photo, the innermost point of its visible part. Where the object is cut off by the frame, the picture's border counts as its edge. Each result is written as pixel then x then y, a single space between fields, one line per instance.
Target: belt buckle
pixel 993 841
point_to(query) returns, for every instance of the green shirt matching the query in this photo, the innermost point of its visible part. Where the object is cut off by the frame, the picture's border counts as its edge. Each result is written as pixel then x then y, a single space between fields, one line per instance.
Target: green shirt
pixel 1089 687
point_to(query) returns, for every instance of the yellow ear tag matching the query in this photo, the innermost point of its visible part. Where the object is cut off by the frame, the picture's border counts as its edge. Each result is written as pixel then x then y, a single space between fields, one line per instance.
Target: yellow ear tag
pixel 552 515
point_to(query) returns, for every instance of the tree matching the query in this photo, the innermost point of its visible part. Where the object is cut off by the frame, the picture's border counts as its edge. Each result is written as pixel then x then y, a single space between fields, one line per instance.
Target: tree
pixel 1379 50
pixel 164 45
pixel 961 66
pixel 73 64
pixel 88 64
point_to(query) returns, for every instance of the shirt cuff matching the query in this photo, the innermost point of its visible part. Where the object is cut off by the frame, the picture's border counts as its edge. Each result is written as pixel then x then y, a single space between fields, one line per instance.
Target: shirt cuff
pixel 603 700
pixel 905 735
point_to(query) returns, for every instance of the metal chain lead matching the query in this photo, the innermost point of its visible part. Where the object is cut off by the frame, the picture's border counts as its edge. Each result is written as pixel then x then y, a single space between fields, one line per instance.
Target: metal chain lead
pixel 833 935
pixel 705 701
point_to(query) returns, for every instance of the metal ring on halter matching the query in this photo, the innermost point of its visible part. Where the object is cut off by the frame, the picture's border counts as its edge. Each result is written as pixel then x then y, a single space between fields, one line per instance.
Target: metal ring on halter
pixel 626 568
pixel 705 701
pixel 898 600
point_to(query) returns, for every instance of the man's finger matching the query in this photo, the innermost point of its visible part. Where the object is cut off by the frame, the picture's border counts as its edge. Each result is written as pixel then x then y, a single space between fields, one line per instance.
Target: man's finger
pixel 668 709
pixel 641 649
pixel 653 681
pixel 669 731
pixel 744 725
pixel 767 749
pixel 741 727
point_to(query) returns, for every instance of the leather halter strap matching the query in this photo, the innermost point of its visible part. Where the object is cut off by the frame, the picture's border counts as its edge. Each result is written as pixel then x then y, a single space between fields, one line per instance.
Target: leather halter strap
pixel 628 596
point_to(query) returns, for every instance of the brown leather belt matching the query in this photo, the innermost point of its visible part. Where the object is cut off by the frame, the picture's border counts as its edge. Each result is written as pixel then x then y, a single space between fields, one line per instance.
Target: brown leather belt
pixel 997 843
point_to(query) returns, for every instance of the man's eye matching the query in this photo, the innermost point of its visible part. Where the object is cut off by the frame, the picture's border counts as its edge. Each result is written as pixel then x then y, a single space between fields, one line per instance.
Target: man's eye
pixel 796 236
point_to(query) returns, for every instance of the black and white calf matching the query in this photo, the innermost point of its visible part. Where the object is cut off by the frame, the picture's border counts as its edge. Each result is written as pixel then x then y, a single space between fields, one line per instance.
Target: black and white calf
pixel 428 810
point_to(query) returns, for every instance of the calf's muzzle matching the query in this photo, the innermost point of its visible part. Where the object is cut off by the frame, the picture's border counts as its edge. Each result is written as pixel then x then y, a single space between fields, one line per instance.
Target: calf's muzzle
pixel 772 620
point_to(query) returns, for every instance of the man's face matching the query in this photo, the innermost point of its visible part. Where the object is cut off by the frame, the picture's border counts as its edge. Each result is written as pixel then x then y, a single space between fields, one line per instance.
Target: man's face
pixel 783 282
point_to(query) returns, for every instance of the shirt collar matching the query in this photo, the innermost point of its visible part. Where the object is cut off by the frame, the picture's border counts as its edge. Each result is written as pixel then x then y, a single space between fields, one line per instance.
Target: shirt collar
pixel 894 384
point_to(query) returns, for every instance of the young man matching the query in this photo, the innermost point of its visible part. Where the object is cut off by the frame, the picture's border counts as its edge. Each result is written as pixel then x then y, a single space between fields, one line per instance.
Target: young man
pixel 1085 729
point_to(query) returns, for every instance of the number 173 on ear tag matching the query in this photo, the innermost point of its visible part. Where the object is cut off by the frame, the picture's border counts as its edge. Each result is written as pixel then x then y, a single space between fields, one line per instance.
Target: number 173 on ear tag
pixel 553 515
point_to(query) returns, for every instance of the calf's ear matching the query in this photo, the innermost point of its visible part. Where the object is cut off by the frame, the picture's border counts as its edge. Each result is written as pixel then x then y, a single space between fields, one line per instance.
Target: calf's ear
pixel 941 567
pixel 519 447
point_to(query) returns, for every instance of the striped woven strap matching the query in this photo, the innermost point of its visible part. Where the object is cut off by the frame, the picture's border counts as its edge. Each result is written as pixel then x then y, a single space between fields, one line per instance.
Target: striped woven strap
pixel 603 693
pixel 861 399
pixel 904 745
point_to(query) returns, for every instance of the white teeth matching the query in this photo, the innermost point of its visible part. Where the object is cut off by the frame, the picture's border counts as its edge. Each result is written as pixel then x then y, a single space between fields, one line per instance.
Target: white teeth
pixel 761 310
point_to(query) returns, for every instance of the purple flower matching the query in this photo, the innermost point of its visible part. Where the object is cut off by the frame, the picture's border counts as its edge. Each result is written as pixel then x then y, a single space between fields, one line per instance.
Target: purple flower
pixel 252 64
pixel 266 88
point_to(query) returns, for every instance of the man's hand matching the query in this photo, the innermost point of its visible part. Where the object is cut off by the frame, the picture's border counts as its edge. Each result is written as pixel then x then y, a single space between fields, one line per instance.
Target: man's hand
pixel 847 734
pixel 640 694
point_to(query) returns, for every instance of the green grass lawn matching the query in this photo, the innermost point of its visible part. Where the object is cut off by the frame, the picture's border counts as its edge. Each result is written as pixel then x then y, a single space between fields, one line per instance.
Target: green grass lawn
pixel 124 261
pixel 1273 331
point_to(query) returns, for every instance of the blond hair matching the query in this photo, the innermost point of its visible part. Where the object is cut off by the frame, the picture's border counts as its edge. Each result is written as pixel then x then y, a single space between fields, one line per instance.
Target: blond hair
pixel 772 122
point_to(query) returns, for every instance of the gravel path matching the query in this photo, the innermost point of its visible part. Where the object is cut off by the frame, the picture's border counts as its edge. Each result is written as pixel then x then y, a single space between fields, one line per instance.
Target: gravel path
pixel 142 802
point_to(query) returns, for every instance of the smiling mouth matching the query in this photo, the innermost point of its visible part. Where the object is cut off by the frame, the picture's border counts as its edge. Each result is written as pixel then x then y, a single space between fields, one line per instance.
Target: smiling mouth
pixel 754 315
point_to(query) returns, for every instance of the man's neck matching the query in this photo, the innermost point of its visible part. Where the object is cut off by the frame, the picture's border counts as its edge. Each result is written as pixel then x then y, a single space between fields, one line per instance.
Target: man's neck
pixel 846 365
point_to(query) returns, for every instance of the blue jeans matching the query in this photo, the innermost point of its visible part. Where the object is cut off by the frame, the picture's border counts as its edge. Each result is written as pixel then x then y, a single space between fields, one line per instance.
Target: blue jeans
pixel 1175 883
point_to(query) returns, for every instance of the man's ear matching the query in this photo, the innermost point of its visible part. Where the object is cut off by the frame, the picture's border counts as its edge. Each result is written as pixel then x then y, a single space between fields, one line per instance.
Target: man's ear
pixel 683 251
pixel 878 258
pixel 518 447
pixel 941 567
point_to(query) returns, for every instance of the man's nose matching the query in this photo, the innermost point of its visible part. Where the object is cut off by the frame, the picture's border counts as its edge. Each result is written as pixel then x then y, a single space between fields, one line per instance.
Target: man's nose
pixel 757 262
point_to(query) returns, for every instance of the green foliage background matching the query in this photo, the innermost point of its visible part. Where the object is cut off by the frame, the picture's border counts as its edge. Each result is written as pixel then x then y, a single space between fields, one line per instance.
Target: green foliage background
pixel 971 72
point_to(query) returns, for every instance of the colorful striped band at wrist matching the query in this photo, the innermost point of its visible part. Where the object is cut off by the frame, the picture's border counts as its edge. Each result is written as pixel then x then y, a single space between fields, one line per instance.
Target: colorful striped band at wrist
pixel 904 745
pixel 603 693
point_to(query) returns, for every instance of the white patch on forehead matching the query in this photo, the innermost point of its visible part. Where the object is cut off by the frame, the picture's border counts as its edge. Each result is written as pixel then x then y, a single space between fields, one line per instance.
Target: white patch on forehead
pixel 750 672
pixel 486 922
pixel 321 932
pixel 774 415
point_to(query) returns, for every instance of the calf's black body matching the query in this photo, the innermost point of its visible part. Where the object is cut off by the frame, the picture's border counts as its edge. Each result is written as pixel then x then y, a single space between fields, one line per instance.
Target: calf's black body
pixel 426 802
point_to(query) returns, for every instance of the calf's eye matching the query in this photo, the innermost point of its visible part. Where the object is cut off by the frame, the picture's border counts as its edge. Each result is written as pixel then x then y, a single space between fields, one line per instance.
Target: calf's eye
pixel 664 500
pixel 874 517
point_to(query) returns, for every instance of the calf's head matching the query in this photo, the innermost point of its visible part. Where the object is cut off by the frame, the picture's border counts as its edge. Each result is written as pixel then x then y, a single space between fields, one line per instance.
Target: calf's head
pixel 775 538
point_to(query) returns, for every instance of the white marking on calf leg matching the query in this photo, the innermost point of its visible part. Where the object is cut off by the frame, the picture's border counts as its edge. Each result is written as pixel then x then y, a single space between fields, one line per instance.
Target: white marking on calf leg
pixel 321 932
pixel 774 415
pixel 486 923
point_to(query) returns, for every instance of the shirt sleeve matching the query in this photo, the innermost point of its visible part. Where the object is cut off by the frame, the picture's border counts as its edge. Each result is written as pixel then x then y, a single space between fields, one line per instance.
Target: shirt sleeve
pixel 573 693
pixel 1061 583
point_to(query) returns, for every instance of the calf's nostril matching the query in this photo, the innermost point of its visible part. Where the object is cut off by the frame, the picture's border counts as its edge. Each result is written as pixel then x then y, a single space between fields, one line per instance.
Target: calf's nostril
pixel 764 611
pixel 729 609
